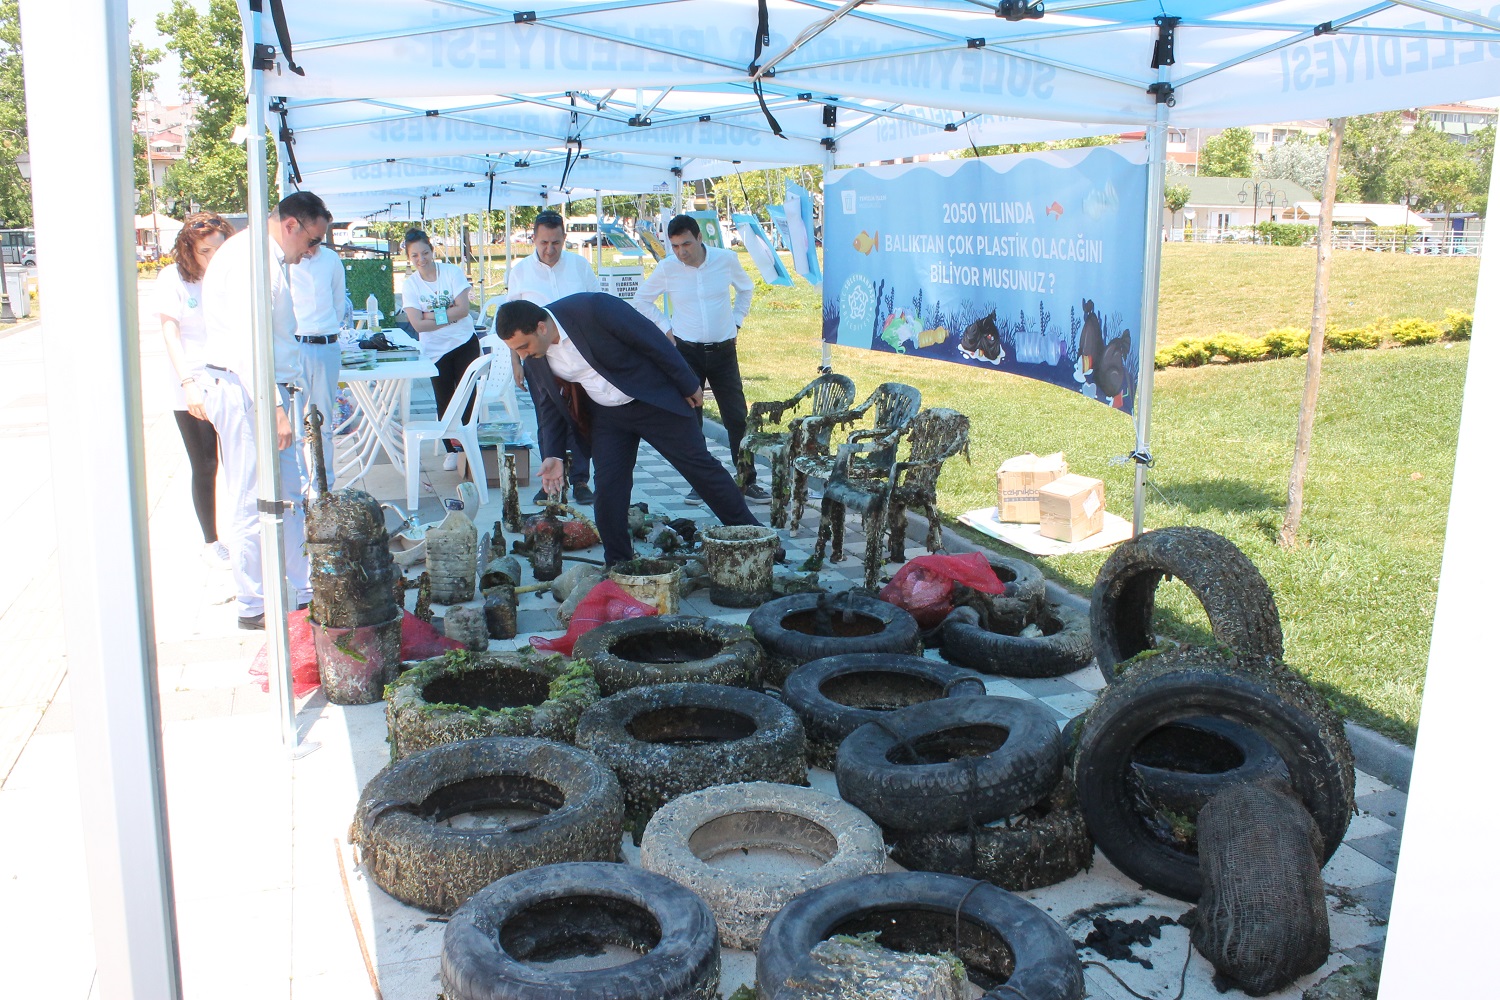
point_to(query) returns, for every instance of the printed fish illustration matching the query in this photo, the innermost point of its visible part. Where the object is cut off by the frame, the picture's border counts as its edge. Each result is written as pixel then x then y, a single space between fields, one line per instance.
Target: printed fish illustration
pixel 865 243
pixel 1055 209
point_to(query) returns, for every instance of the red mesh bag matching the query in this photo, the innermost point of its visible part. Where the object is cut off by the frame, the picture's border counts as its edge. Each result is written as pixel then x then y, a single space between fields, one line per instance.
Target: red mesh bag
pixel 419 641
pixel 607 602
pixel 924 586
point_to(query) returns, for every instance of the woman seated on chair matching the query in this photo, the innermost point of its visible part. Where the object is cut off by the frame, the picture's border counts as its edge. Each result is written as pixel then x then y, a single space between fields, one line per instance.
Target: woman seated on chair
pixel 435 299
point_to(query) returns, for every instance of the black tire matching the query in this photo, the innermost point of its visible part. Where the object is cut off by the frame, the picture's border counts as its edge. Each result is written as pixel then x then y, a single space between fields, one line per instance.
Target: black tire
pixel 671 649
pixel 1023 581
pixel 466 696
pixel 836 695
pixel 1241 609
pixel 576 909
pixel 1043 845
pixel 666 740
pixel 878 627
pixel 1003 938
pixel 1064 646
pixel 1257 693
pixel 995 757
pixel 1198 758
pixel 400 824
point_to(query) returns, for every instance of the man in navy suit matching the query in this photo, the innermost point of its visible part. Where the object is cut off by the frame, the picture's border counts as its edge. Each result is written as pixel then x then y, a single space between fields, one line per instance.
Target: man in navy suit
pixel 614 375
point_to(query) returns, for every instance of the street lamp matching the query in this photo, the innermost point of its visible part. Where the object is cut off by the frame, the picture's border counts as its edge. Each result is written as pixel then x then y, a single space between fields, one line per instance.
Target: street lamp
pixel 23 164
pixel 1255 199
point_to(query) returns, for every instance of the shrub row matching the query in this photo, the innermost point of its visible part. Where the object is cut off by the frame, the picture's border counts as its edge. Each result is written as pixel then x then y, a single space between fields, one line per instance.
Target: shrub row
pixel 1291 342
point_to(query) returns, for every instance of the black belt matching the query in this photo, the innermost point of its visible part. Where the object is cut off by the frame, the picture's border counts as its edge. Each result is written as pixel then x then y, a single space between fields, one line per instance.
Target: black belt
pixel 325 338
pixel 709 347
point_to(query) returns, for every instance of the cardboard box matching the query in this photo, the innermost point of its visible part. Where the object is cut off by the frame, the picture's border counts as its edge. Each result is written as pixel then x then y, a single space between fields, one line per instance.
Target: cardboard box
pixel 1019 479
pixel 1072 508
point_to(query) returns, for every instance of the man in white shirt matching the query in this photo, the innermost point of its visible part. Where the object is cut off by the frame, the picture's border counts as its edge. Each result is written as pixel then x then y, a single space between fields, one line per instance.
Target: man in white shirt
pixel 296 227
pixel 318 294
pixel 696 281
pixel 549 274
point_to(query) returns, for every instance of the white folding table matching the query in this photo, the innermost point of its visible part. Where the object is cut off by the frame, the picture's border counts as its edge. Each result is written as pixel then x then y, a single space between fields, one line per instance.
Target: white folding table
pixel 382 408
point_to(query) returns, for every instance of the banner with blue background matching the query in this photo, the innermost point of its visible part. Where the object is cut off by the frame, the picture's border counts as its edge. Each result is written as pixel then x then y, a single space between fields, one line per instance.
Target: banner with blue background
pixel 1029 263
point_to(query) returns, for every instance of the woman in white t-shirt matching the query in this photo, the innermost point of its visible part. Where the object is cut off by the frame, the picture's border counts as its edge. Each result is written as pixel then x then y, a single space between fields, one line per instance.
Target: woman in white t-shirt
pixel 436 301
pixel 179 301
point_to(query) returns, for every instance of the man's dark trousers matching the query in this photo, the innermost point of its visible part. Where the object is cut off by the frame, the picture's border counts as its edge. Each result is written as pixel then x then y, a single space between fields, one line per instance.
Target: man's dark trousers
pixel 578 444
pixel 617 434
pixel 719 366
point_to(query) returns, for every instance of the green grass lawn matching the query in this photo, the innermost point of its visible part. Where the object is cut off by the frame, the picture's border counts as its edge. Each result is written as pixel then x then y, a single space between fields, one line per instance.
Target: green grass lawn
pixel 1356 600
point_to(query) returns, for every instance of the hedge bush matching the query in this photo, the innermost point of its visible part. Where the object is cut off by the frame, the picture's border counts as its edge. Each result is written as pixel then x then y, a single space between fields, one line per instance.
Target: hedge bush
pixel 1411 332
pixel 1287 342
pixel 1353 338
pixel 1291 342
pixel 1460 325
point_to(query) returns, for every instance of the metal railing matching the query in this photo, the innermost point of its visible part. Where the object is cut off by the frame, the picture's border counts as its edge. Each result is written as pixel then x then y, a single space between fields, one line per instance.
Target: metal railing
pixel 1443 244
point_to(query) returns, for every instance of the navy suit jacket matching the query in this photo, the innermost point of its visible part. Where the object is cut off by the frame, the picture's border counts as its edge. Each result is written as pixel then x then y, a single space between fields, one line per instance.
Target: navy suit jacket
pixel 625 348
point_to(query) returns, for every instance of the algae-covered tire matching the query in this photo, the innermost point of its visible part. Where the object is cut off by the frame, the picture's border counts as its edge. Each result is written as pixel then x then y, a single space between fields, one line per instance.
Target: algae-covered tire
pixel 836 695
pixel 494 947
pixel 785 629
pixel 1182 765
pixel 944 764
pixel 1002 940
pixel 690 836
pixel 422 833
pixel 1043 845
pixel 670 649
pixel 1258 693
pixel 1241 609
pixel 1023 581
pixel 1063 647
pixel 466 696
pixel 670 739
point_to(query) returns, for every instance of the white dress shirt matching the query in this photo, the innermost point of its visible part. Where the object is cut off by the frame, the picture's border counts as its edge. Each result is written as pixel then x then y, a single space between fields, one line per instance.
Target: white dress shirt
pixel 229 319
pixel 534 281
pixel 318 293
pixel 698 297
pixel 567 364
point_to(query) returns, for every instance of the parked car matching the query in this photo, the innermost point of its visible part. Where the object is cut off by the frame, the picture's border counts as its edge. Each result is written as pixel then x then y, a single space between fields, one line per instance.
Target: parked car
pixel 28 257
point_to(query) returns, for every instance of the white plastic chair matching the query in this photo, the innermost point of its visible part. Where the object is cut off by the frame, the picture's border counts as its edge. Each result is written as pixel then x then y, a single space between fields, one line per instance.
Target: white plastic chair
pixel 502 387
pixel 451 424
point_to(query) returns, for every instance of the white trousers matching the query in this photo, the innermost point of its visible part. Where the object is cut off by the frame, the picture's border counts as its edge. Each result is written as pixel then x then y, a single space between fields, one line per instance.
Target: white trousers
pixel 232 412
pixel 320 374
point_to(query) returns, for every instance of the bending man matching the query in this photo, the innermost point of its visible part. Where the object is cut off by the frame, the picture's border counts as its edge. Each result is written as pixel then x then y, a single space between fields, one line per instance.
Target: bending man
pixel 607 370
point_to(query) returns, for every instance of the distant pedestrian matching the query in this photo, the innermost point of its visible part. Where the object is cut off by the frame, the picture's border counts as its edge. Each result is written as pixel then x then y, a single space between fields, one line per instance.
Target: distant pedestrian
pixel 703 322
pixel 436 300
pixel 179 304
pixel 549 274
pixel 318 298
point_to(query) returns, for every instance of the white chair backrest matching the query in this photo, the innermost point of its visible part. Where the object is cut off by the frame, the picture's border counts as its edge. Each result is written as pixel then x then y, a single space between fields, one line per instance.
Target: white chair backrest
pixel 470 385
pixel 491 343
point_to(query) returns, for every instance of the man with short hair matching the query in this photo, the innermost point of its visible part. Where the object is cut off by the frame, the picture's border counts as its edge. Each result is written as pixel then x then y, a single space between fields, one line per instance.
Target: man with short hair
pixel 297 226
pixel 549 274
pixel 696 281
pixel 318 298
pixel 615 377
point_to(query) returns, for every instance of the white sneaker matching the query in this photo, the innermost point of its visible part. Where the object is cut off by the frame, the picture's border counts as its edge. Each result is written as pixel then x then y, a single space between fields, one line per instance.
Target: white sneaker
pixel 216 555
pixel 450 461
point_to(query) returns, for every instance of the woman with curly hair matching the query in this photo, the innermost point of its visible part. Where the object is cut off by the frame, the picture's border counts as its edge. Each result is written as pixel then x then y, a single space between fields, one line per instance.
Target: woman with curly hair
pixel 436 301
pixel 179 301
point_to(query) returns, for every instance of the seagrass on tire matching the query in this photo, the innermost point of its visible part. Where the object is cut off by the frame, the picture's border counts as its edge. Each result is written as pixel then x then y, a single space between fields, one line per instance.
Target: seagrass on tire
pixel 670 649
pixel 496 946
pixel 1259 693
pixel 405 838
pixel 1064 646
pixel 1240 607
pixel 786 630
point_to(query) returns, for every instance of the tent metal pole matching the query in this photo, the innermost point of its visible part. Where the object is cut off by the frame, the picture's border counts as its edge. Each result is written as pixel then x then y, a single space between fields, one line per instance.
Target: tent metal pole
pixel 264 391
pixel 598 230
pixel 77 66
pixel 827 355
pixel 507 246
pixel 1156 178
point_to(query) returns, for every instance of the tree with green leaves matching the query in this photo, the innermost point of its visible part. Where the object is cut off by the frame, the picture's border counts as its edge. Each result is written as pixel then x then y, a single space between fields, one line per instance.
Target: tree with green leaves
pixel 1372 143
pixel 1081 142
pixel 142 81
pixel 1302 161
pixel 1231 153
pixel 1178 195
pixel 15 193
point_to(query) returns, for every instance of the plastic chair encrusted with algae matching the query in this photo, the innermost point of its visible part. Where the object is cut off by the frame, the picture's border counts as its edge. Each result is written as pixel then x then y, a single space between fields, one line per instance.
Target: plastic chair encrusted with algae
pixel 829 394
pixel 894 404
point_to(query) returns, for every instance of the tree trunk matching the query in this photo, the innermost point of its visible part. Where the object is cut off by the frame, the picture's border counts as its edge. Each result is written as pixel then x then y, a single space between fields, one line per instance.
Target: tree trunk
pixel 1303 447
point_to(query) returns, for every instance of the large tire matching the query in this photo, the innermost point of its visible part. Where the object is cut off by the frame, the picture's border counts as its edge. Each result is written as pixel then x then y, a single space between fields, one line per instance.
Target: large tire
pixel 667 740
pixel 1179 767
pixel 467 696
pixel 836 695
pixel 401 822
pixel 1257 693
pixel 1063 647
pixel 671 649
pixel 1023 581
pixel 1241 609
pixel 689 837
pixel 1002 939
pixel 962 760
pixel 877 627
pixel 490 945
pixel 1043 845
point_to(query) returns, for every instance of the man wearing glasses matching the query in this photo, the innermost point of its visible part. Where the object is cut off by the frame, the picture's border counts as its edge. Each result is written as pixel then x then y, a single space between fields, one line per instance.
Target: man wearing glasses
pixel 297 227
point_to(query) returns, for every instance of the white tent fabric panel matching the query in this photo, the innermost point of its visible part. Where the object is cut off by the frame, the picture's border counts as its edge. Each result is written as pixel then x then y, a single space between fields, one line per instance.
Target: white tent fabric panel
pixel 601 172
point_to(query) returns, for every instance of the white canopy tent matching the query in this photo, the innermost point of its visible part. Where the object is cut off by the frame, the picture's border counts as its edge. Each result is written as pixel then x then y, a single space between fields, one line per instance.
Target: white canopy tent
pixel 1084 66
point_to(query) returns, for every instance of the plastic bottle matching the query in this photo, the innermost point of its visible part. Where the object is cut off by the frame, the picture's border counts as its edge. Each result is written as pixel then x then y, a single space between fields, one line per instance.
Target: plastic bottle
pixel 372 310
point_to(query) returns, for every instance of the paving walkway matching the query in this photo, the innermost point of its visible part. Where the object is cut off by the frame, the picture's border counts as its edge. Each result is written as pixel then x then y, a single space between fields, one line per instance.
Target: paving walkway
pixel 271 902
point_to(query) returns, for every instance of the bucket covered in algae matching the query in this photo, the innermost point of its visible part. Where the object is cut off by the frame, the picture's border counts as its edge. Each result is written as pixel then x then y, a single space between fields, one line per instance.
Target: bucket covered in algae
pixel 650 581
pixel 741 560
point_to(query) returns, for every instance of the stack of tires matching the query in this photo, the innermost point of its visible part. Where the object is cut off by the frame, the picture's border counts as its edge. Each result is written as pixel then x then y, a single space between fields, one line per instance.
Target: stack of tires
pixel 1018 634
